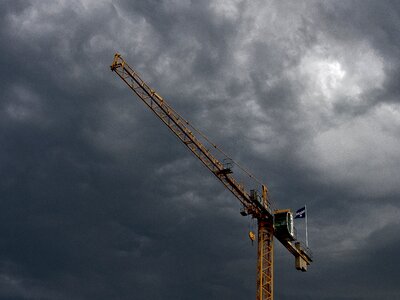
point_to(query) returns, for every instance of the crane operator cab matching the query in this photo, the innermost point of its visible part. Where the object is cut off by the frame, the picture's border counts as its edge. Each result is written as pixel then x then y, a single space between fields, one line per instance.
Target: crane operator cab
pixel 283 224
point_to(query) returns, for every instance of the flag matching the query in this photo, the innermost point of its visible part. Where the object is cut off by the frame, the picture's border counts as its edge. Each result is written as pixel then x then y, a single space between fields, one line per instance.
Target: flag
pixel 301 213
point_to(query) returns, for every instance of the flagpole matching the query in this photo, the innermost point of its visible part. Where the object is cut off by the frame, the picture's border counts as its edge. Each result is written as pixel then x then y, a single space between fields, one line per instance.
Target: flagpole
pixel 305 208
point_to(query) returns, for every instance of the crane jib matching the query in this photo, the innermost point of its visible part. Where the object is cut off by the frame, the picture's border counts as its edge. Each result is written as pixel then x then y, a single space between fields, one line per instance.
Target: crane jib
pixel 177 124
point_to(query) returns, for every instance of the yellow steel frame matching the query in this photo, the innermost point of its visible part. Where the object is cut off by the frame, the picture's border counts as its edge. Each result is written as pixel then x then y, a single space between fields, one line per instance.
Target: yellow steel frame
pixel 265 262
pixel 259 210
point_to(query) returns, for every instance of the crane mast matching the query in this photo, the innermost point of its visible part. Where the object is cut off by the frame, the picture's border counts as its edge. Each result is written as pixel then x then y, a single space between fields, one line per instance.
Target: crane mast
pixel 254 205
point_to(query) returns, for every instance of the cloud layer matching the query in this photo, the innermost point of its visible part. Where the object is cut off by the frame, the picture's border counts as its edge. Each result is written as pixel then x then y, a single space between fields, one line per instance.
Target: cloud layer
pixel 99 201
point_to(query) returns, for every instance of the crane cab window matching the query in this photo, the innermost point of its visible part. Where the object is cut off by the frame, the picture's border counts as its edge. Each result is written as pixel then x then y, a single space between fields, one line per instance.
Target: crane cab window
pixel 283 224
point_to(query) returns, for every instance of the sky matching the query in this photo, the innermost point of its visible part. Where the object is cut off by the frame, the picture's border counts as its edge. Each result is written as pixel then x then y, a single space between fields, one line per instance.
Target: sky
pixel 98 200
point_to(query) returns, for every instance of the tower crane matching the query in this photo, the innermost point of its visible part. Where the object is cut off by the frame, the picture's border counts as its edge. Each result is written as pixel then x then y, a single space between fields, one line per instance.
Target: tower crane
pixel 271 223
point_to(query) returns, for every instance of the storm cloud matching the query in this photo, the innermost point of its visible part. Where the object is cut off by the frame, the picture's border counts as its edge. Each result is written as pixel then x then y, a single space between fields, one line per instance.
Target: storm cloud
pixel 100 201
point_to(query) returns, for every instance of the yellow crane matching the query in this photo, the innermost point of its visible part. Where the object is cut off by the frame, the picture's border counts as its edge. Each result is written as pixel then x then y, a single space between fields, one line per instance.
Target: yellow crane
pixel 278 223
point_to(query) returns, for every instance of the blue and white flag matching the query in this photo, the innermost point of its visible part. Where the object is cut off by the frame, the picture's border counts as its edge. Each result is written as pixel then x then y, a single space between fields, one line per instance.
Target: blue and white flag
pixel 301 213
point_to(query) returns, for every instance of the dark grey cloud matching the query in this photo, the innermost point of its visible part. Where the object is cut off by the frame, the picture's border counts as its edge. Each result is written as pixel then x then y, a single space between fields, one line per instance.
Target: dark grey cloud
pixel 99 201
